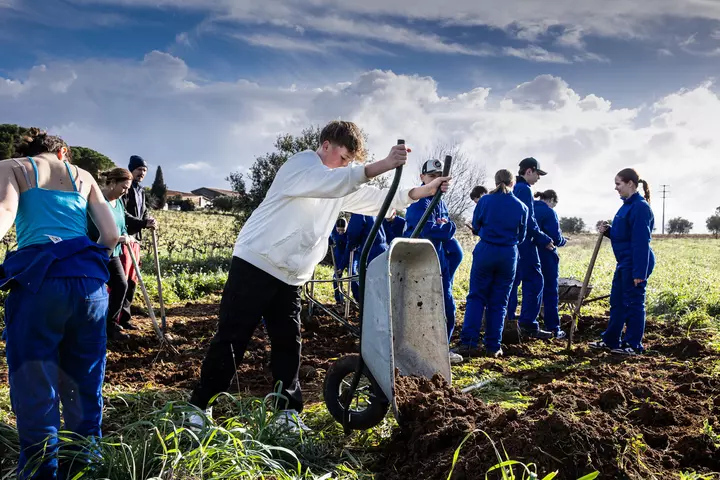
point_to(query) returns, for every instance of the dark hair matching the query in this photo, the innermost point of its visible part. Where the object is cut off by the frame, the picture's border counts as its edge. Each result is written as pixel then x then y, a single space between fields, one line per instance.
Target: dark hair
pixel 36 142
pixel 115 175
pixel 345 134
pixel 478 192
pixel 549 195
pixel 503 180
pixel 630 175
pixel 341 223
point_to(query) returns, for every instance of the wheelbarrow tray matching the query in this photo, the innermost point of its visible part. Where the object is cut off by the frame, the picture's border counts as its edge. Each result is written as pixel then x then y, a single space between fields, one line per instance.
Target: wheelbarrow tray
pixel 404 325
pixel 569 290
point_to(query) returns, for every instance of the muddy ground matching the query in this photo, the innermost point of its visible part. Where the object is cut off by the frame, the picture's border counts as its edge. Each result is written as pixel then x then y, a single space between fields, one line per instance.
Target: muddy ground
pixel 638 418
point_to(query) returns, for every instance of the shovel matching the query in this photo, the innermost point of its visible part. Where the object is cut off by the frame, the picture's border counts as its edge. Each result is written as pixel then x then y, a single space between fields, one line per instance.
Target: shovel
pixel 583 290
pixel 163 319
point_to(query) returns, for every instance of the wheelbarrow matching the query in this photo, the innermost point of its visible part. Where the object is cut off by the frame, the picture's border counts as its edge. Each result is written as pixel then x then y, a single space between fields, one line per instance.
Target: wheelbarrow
pixel 402 325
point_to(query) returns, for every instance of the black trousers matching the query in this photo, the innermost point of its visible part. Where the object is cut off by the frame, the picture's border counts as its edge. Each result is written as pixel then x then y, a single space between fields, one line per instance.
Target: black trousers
pixel 118 289
pixel 251 294
pixel 125 314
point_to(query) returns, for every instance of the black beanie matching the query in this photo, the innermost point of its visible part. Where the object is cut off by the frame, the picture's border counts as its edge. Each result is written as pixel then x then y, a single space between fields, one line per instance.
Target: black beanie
pixel 136 161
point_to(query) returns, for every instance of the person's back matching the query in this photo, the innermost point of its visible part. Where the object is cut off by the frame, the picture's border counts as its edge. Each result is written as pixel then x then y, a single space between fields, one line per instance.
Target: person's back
pixel 500 219
pixel 56 279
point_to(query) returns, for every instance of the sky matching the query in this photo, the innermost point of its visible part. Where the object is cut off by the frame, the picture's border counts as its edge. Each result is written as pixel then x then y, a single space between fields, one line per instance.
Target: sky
pixel 202 87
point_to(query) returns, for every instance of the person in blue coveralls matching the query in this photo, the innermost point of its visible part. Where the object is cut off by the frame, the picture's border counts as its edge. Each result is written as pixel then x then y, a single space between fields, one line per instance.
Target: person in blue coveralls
pixel 55 312
pixel 501 221
pixel 475 195
pixel 357 232
pixel 630 235
pixel 440 230
pixel 549 224
pixel 528 271
pixel 338 242
pixel 393 226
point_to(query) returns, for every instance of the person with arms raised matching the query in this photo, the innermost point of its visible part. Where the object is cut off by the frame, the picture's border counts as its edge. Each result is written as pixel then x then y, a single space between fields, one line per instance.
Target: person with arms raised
pixel 278 249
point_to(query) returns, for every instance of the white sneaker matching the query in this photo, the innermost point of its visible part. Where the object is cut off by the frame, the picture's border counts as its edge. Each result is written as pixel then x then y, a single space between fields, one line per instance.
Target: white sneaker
pixel 291 420
pixel 455 358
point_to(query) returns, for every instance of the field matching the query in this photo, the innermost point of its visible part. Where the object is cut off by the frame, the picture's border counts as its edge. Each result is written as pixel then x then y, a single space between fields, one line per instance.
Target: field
pixel 579 414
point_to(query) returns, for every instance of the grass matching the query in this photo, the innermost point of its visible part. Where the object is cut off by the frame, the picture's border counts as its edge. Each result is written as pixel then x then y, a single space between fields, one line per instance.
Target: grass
pixel 145 433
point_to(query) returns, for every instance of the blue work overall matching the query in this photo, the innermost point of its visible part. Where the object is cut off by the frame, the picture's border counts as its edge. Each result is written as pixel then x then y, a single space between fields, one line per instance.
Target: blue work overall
pixel 550 263
pixel 358 231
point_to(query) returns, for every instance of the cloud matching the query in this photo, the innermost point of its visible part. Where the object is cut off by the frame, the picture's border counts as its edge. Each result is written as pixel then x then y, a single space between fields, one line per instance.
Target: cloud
pixel 183 38
pixel 300 44
pixel 536 54
pixel 716 34
pixel 200 130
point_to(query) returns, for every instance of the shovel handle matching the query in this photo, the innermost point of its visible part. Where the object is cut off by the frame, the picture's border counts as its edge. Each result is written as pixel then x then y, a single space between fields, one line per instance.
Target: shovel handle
pixel 583 290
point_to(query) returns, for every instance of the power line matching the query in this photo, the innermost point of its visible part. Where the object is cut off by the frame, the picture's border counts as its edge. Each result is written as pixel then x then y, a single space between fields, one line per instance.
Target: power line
pixel 664 193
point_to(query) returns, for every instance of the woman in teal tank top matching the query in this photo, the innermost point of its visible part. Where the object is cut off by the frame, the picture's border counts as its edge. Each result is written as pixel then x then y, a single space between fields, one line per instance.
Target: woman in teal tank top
pixel 57 305
pixel 115 184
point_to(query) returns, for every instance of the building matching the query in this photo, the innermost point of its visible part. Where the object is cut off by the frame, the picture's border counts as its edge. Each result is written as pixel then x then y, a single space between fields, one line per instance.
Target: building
pixel 213 193
pixel 200 201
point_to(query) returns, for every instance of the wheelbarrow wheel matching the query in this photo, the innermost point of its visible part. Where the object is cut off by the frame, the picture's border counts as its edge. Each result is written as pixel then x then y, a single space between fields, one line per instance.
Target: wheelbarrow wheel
pixel 336 388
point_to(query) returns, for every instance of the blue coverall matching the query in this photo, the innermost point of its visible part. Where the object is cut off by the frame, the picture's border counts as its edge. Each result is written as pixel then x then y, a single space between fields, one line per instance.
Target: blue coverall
pixel 438 229
pixel 358 231
pixel 528 268
pixel 338 243
pixel 501 220
pixel 454 256
pixel 393 229
pixel 55 324
pixel 630 235
pixel 548 222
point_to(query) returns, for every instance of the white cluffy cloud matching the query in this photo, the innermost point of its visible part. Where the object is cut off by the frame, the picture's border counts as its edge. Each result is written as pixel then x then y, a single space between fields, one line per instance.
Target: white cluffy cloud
pixel 200 130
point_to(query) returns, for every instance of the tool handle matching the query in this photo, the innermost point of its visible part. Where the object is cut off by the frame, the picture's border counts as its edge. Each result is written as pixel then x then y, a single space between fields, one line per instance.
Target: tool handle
pixel 583 290
pixel 433 202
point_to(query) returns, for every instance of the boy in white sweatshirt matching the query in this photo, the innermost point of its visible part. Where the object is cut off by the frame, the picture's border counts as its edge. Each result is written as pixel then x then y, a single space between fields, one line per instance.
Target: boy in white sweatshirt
pixel 280 245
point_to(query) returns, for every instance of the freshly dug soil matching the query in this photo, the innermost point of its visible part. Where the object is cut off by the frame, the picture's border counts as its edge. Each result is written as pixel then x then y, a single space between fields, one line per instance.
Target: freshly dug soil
pixel 637 418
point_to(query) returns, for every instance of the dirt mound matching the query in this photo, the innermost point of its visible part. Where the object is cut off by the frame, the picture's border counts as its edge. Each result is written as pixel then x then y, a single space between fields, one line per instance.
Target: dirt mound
pixel 684 349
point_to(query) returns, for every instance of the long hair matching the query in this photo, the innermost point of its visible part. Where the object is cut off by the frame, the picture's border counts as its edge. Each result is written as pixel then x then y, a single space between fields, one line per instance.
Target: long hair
pixel 36 142
pixel 630 175
pixel 115 175
pixel 547 195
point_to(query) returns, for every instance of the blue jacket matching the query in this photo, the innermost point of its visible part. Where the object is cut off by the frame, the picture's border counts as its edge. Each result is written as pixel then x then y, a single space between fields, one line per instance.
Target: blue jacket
pixel 500 219
pixel 357 232
pixel 630 235
pixel 524 194
pixel 548 223
pixel 78 257
pixel 394 229
pixel 438 228
pixel 339 245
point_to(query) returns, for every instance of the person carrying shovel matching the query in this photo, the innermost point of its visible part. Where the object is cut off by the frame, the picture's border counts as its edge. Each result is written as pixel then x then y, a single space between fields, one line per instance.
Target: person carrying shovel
pixel 277 251
pixel 630 235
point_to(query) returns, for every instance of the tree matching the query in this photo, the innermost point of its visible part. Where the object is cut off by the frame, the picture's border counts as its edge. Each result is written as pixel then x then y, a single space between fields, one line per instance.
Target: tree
pixel 713 223
pixel 264 169
pixel 572 224
pixel 159 189
pixel 85 158
pixel 226 203
pixel 465 173
pixel 90 160
pixel 679 226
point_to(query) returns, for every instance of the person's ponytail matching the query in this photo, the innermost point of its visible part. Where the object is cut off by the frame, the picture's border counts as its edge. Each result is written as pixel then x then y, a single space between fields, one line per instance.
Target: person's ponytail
pixel 646 190
pixel 503 181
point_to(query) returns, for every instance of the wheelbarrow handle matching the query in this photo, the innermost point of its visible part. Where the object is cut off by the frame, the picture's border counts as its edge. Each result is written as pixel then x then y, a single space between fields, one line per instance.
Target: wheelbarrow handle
pixel 374 231
pixel 433 202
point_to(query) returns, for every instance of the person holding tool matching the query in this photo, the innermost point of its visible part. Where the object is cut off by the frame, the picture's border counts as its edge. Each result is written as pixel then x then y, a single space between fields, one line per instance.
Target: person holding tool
pixel 528 268
pixel 501 220
pixel 475 195
pixel 549 224
pixel 136 220
pixel 439 229
pixel 630 235
pixel 338 243
pixel 56 310
pixel 116 183
pixel 279 247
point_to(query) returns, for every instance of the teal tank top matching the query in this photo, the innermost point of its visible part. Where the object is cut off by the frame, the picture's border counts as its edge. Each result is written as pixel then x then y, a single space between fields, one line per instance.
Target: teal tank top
pixel 46 216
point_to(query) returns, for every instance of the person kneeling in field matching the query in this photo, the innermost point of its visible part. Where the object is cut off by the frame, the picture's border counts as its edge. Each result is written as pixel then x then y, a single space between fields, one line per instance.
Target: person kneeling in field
pixel 279 247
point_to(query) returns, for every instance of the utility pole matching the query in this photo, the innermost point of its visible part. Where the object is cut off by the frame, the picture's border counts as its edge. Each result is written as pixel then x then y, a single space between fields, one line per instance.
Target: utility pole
pixel 664 192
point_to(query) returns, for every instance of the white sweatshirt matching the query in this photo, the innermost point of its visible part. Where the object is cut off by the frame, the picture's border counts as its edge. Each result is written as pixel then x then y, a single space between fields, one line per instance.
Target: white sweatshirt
pixel 287 235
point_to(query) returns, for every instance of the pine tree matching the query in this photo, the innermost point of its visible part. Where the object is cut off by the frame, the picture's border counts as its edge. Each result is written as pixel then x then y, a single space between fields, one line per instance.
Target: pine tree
pixel 159 190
